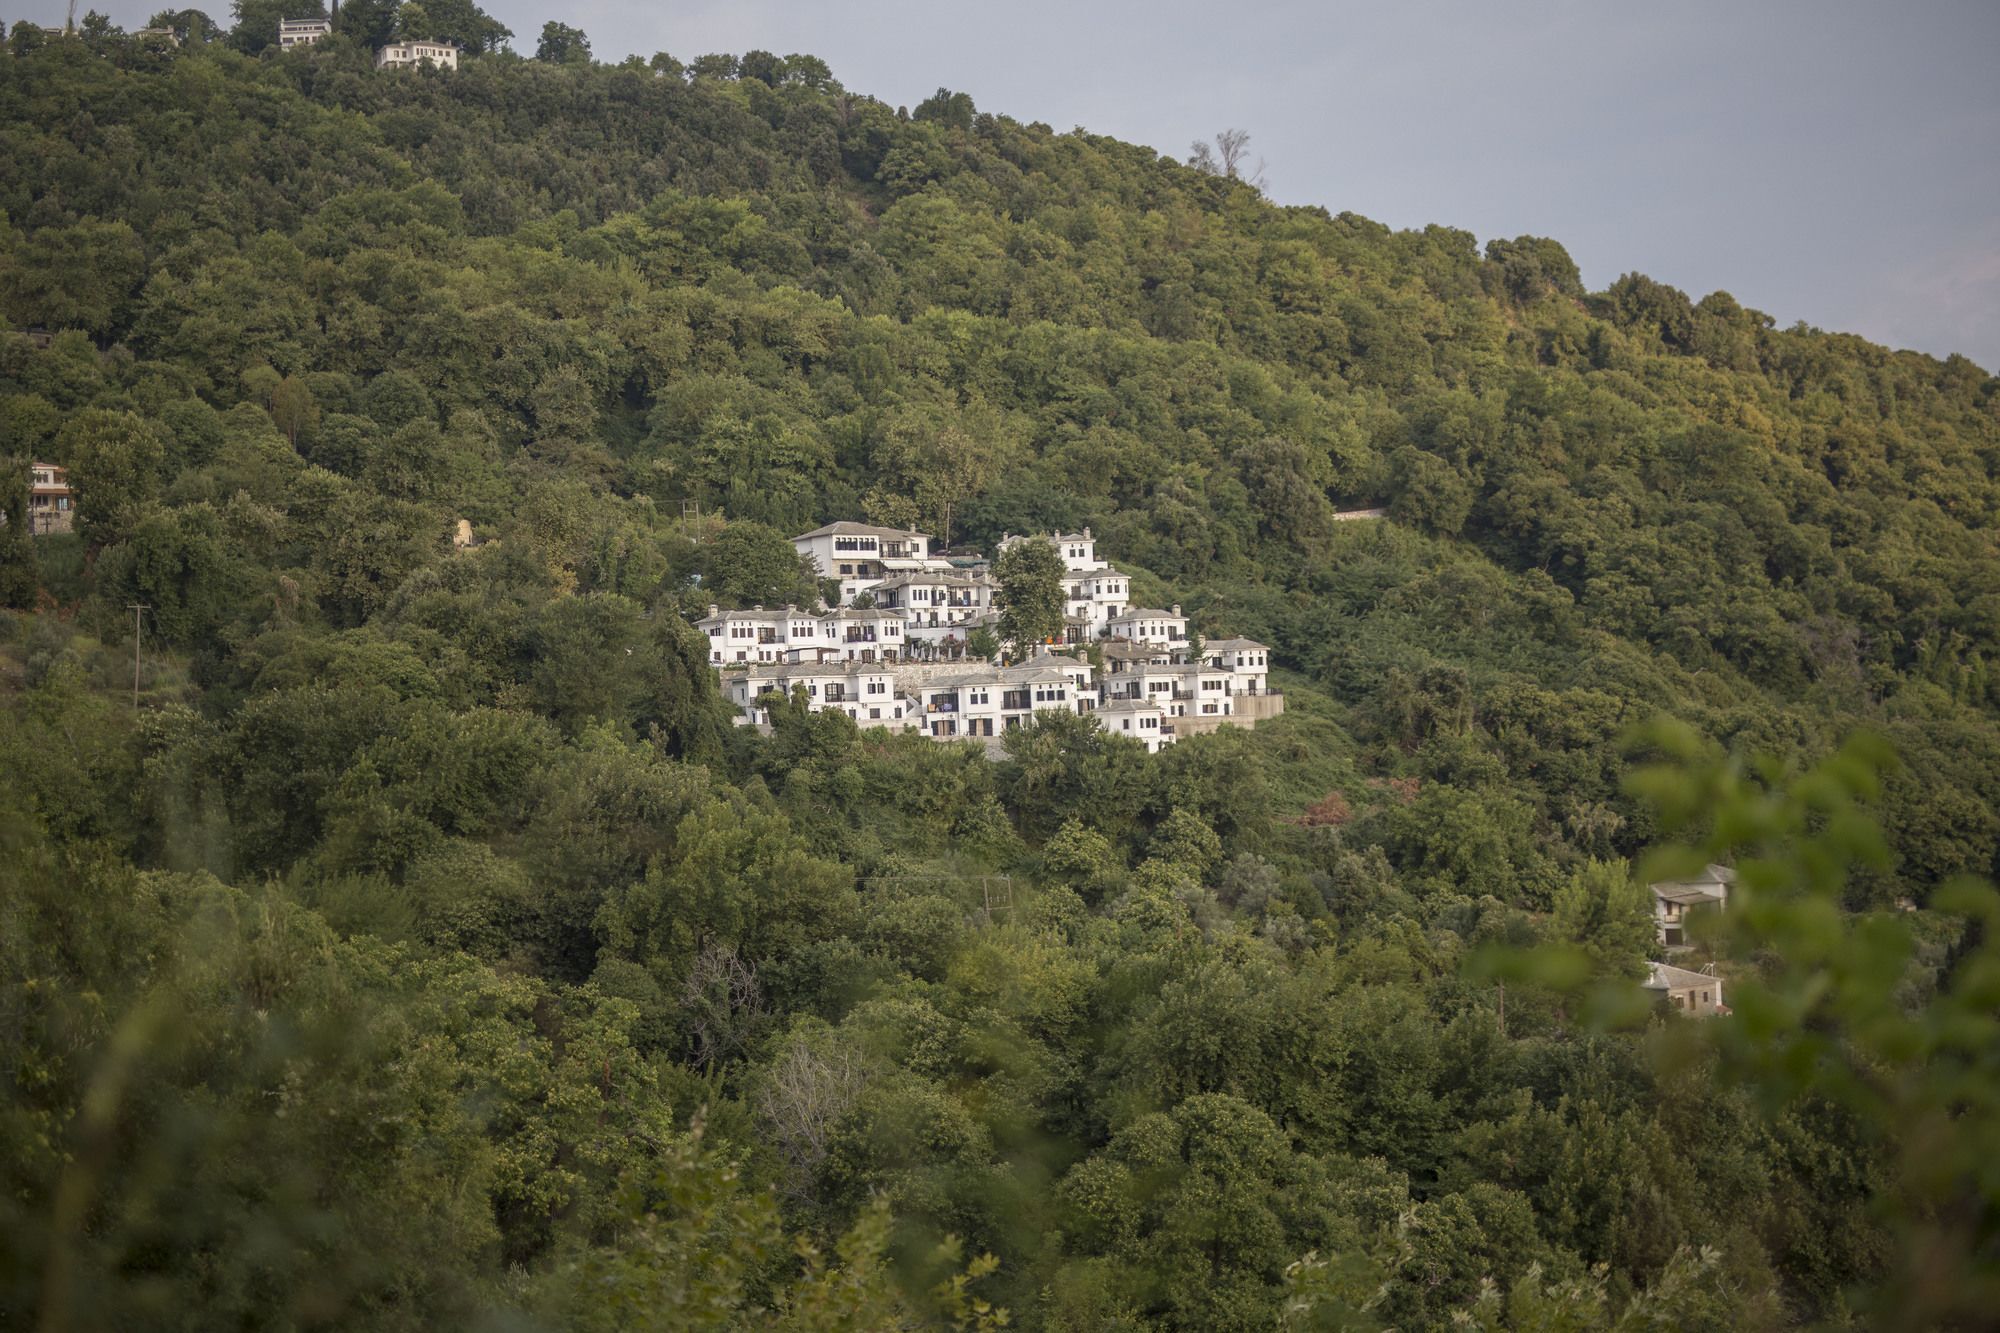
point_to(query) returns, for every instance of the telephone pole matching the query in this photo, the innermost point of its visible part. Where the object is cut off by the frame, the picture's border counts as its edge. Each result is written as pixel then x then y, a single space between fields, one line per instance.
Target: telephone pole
pixel 138 610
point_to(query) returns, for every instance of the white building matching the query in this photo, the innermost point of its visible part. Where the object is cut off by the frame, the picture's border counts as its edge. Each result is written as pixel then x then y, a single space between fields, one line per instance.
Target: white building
pixel 862 555
pixel 402 55
pixel 1247 661
pixel 1139 720
pixel 986 700
pixel 1147 625
pixel 791 634
pixel 1694 993
pixel 1674 900
pixel 301 32
pixel 51 502
pixel 937 605
pixel 866 692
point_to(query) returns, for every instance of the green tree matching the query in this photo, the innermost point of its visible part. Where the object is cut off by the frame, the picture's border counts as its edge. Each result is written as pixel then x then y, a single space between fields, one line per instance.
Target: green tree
pixel 751 564
pixel 79 276
pixel 561 44
pixel 371 23
pixel 114 461
pixel 1030 593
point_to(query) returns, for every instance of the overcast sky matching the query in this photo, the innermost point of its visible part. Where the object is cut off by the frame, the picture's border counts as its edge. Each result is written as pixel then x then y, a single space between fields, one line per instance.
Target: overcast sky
pixel 1821 160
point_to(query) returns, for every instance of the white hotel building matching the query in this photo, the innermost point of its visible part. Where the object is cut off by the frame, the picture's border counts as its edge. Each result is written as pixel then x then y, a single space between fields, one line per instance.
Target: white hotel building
pixel 856 660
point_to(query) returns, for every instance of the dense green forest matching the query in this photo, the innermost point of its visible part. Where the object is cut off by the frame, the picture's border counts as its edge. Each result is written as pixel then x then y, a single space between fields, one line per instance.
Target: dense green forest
pixel 413 942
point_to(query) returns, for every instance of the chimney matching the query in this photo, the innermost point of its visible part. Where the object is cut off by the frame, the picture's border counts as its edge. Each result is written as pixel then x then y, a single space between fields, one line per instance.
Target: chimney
pixel 1177 608
pixel 714 610
pixel 1086 534
pixel 758 607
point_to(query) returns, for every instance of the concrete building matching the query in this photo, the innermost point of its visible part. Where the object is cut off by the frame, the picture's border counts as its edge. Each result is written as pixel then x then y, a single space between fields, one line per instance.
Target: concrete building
pixel 1141 721
pixel 936 605
pixel 862 555
pixel 866 692
pixel 1146 625
pixel 402 55
pixel 51 503
pixel 986 700
pixel 790 634
pixel 1675 900
pixel 1695 993
pixel 301 32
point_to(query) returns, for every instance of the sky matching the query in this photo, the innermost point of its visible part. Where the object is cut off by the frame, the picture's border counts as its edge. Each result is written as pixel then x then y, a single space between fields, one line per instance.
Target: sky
pixel 1820 160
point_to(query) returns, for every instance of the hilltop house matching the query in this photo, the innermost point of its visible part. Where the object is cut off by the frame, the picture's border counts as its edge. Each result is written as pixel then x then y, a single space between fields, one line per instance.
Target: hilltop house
pixel 301 32
pixel 1675 899
pixel 1695 993
pixel 402 55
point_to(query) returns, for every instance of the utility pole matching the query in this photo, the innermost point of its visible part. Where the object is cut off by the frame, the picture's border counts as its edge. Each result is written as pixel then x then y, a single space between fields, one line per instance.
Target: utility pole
pixel 138 610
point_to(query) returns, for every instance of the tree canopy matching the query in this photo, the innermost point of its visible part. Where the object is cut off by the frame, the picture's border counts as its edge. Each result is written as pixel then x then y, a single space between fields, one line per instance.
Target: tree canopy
pixel 426 947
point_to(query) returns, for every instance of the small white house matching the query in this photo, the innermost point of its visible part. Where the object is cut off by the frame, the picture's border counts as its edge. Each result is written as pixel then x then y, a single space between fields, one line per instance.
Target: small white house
pixel 402 55
pixel 51 502
pixel 1247 661
pixel 1147 625
pixel 1674 900
pixel 301 32
pixel 935 604
pixel 861 555
pixel 1139 720
pixel 867 693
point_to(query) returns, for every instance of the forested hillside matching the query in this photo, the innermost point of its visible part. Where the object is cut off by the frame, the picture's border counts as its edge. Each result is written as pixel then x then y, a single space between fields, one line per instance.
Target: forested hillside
pixel 422 946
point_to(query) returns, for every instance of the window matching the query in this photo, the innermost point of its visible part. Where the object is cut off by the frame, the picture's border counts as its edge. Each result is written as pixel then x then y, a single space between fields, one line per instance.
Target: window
pixel 975 697
pixel 874 713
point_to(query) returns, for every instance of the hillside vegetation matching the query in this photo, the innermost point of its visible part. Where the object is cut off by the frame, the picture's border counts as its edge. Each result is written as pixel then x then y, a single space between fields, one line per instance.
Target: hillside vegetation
pixel 427 948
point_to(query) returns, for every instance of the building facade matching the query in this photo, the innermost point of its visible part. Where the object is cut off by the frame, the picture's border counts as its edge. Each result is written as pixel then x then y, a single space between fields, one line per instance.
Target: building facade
pixel 51 503
pixel 1696 993
pixel 301 32
pixel 402 55
pixel 1676 900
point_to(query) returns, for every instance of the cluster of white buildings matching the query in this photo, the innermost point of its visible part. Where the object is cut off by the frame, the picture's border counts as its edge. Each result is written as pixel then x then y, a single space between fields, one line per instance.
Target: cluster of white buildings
pixel 893 653
pixel 397 55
